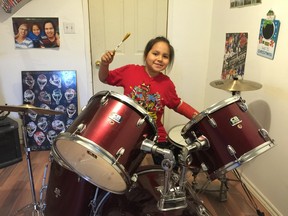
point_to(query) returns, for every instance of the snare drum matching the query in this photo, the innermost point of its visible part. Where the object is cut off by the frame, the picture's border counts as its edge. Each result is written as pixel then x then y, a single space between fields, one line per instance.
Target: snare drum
pixel 174 136
pixel 67 193
pixel 234 135
pixel 103 143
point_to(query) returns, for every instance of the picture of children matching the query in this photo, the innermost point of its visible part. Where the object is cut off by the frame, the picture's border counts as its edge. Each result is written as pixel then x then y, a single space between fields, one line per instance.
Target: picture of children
pixel 35 34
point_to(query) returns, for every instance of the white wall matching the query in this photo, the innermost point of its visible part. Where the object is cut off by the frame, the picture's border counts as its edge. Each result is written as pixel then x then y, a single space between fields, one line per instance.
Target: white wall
pixel 268 172
pixel 189 27
pixel 70 56
pixel 197 30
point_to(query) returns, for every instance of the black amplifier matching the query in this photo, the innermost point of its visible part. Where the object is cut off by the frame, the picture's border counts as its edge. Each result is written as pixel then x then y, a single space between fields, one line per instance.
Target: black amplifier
pixel 10 150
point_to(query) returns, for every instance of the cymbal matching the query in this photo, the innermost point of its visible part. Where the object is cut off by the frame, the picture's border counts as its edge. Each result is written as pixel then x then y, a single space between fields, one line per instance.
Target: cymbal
pixel 27 107
pixel 235 85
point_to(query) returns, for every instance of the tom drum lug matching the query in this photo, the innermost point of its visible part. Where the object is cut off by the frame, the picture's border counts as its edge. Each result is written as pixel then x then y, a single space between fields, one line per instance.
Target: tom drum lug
pixel 80 128
pixel 265 135
pixel 141 121
pixel 242 105
pixel 104 99
pixel 212 122
pixel 119 153
pixel 231 151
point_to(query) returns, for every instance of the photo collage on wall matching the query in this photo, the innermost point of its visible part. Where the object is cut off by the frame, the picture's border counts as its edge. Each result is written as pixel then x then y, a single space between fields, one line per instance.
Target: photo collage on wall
pixel 54 90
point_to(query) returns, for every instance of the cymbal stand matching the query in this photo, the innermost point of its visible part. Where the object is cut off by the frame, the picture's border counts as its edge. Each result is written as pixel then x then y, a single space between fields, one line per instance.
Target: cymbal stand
pixel 34 205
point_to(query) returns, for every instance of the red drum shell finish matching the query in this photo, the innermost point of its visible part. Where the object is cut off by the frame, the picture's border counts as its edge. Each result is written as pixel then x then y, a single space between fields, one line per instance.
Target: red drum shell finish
pixel 235 129
pixel 110 123
pixel 67 193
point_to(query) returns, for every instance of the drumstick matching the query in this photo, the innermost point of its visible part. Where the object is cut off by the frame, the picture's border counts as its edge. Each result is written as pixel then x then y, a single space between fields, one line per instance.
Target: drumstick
pixel 126 36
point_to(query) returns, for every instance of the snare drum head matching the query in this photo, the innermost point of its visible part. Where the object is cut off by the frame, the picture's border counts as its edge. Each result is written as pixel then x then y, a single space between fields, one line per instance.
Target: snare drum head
pixel 174 136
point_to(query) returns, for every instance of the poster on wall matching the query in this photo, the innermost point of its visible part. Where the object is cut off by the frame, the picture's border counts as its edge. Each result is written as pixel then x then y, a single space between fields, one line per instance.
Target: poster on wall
pixel 234 55
pixel 9 6
pixel 268 35
pixel 36 32
pixel 55 90
pixel 242 3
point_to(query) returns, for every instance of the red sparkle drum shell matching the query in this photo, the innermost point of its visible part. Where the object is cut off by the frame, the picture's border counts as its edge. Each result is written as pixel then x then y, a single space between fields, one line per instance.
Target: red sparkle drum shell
pixel 229 127
pixel 67 193
pixel 111 125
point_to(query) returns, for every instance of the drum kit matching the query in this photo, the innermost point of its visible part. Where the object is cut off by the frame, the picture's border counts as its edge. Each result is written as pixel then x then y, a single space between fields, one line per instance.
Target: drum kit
pixel 96 163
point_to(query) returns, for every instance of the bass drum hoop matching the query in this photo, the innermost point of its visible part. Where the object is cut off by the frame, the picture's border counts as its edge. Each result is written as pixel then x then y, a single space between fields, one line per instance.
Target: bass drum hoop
pixel 96 151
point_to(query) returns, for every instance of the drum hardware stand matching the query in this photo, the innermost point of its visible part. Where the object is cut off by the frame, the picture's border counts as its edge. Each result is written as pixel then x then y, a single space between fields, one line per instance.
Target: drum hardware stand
pixel 95 211
pixel 200 208
pixel 36 209
pixel 247 192
pixel 201 143
pixel 222 190
pixel 172 196
pixel 43 188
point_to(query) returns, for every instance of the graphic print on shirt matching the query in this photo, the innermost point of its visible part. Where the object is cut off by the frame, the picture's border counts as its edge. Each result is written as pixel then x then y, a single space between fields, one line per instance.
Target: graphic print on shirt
pixel 150 101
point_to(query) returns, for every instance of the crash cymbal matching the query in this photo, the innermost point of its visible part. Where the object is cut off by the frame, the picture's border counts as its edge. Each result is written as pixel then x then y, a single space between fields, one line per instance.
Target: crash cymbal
pixel 236 85
pixel 27 107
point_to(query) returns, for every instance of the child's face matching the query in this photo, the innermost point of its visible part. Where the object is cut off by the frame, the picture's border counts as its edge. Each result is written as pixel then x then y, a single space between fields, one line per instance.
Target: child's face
pixel 35 30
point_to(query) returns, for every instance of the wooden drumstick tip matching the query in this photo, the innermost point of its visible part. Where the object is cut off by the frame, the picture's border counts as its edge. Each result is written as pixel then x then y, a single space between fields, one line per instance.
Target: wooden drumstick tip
pixel 126 36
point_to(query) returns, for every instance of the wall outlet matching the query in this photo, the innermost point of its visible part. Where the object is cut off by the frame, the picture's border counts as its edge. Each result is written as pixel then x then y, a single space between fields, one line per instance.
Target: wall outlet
pixel 69 28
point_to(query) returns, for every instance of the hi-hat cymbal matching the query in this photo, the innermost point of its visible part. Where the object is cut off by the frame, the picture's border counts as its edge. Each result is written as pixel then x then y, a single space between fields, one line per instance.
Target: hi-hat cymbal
pixel 236 85
pixel 27 107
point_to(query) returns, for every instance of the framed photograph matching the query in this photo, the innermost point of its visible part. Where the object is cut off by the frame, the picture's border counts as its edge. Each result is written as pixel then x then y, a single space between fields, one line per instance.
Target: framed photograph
pixel 55 90
pixel 36 32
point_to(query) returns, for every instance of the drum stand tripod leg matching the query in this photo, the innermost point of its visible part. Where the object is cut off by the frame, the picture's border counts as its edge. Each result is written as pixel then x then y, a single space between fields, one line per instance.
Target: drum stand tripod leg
pixel 33 207
pixel 248 193
pixel 98 204
pixel 223 188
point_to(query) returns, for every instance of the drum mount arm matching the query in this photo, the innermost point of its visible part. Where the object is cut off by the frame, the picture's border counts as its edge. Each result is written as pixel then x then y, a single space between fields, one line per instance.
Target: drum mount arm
pixel 149 146
pixel 199 143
